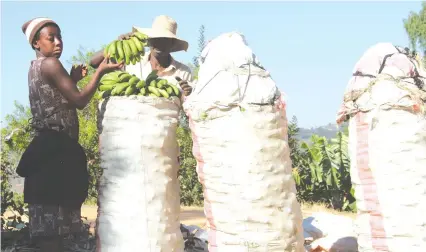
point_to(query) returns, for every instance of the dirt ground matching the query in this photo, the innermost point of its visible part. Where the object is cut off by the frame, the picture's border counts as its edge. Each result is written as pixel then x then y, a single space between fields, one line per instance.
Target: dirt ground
pixel 195 215
pixel 188 215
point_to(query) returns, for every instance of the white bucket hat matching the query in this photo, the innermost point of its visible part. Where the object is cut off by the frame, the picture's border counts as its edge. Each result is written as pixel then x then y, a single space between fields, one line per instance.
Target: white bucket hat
pixel 164 27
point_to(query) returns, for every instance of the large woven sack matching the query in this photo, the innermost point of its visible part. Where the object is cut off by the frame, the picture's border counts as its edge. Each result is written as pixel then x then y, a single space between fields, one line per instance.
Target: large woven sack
pixel 139 200
pixel 384 103
pixel 242 153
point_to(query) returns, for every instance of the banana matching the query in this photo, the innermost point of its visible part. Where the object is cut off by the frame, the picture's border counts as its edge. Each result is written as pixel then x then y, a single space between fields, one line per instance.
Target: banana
pixel 127 52
pixel 169 90
pixel 142 37
pixel 154 91
pixel 153 95
pixel 140 84
pixel 175 89
pixel 109 78
pixel 117 55
pixel 106 50
pixel 120 73
pixel 143 91
pixel 138 43
pixel 124 77
pixel 119 88
pixel 108 81
pixel 164 93
pixel 120 50
pixel 103 86
pixel 153 83
pixel 133 81
pixel 130 90
pixel 161 83
pixel 106 87
pixel 112 50
pixel 133 59
pixel 133 47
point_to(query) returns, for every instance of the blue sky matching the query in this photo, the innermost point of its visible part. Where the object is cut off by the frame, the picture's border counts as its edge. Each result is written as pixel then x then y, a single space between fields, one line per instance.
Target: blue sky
pixel 310 48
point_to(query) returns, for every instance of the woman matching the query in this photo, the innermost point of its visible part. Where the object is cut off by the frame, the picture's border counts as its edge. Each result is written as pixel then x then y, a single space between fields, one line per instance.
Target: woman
pixel 54 165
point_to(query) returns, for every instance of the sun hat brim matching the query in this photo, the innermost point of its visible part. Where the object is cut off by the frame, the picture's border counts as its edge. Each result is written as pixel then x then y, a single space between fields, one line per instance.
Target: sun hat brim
pixel 178 45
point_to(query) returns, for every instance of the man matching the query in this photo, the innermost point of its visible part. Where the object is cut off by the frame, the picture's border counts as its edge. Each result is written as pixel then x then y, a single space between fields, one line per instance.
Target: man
pixel 162 41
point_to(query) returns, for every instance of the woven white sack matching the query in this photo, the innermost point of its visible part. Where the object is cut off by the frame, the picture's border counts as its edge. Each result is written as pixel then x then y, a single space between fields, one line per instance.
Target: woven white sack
pixel 387 145
pixel 138 199
pixel 243 162
pixel 231 73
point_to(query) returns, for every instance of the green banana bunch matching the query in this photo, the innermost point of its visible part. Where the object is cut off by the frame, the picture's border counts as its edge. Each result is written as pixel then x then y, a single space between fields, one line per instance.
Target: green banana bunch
pixel 127 50
pixel 119 83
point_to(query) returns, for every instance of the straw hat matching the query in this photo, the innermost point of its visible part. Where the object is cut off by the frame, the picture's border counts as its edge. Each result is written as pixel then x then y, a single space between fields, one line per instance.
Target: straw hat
pixel 164 27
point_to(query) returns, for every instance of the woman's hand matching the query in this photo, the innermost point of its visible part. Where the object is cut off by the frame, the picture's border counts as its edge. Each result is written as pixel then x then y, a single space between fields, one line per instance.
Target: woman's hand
pixel 107 66
pixel 78 72
pixel 125 36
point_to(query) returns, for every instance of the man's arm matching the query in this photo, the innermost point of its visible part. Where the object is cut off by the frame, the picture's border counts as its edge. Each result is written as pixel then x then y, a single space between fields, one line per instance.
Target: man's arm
pixel 97 59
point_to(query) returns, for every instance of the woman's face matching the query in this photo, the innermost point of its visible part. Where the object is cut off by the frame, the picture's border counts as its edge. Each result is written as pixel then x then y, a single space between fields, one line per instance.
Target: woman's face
pixel 161 44
pixel 49 42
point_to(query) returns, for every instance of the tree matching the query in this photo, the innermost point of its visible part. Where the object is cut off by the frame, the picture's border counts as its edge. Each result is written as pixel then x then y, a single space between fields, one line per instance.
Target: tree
pixel 296 154
pixel 298 161
pixel 15 139
pixel 201 45
pixel 327 179
pixel 190 187
pixel 321 169
pixel 194 66
pixel 415 26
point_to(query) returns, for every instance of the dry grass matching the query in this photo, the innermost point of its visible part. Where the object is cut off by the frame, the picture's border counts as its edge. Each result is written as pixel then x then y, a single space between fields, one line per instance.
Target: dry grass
pixel 308 209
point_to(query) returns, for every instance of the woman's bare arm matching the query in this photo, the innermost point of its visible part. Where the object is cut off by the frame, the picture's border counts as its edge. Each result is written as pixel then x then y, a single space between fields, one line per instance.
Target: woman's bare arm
pixel 98 57
pixel 55 74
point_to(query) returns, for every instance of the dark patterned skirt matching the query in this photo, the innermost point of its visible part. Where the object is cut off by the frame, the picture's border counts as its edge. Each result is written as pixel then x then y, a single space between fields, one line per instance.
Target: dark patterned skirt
pixel 51 221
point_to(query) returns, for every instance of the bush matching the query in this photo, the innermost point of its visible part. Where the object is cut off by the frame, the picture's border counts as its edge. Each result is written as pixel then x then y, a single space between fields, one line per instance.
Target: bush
pixel 191 192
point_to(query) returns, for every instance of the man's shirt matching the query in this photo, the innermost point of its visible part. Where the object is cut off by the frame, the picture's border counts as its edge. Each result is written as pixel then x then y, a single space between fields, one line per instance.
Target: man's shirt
pixel 176 69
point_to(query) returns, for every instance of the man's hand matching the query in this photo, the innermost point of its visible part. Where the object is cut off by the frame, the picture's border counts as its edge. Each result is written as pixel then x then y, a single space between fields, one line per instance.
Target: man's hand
pixel 187 89
pixel 78 72
pixel 125 36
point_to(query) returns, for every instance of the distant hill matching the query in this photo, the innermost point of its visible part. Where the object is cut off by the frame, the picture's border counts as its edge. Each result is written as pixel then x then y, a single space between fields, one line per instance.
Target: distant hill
pixel 329 131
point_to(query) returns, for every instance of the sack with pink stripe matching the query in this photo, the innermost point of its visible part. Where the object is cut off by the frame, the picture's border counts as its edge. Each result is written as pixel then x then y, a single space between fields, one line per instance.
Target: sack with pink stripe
pixel 385 105
pixel 239 128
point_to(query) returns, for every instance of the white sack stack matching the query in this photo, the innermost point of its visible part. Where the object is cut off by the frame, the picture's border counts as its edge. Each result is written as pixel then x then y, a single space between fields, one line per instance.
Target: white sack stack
pixel 139 200
pixel 239 128
pixel 385 105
